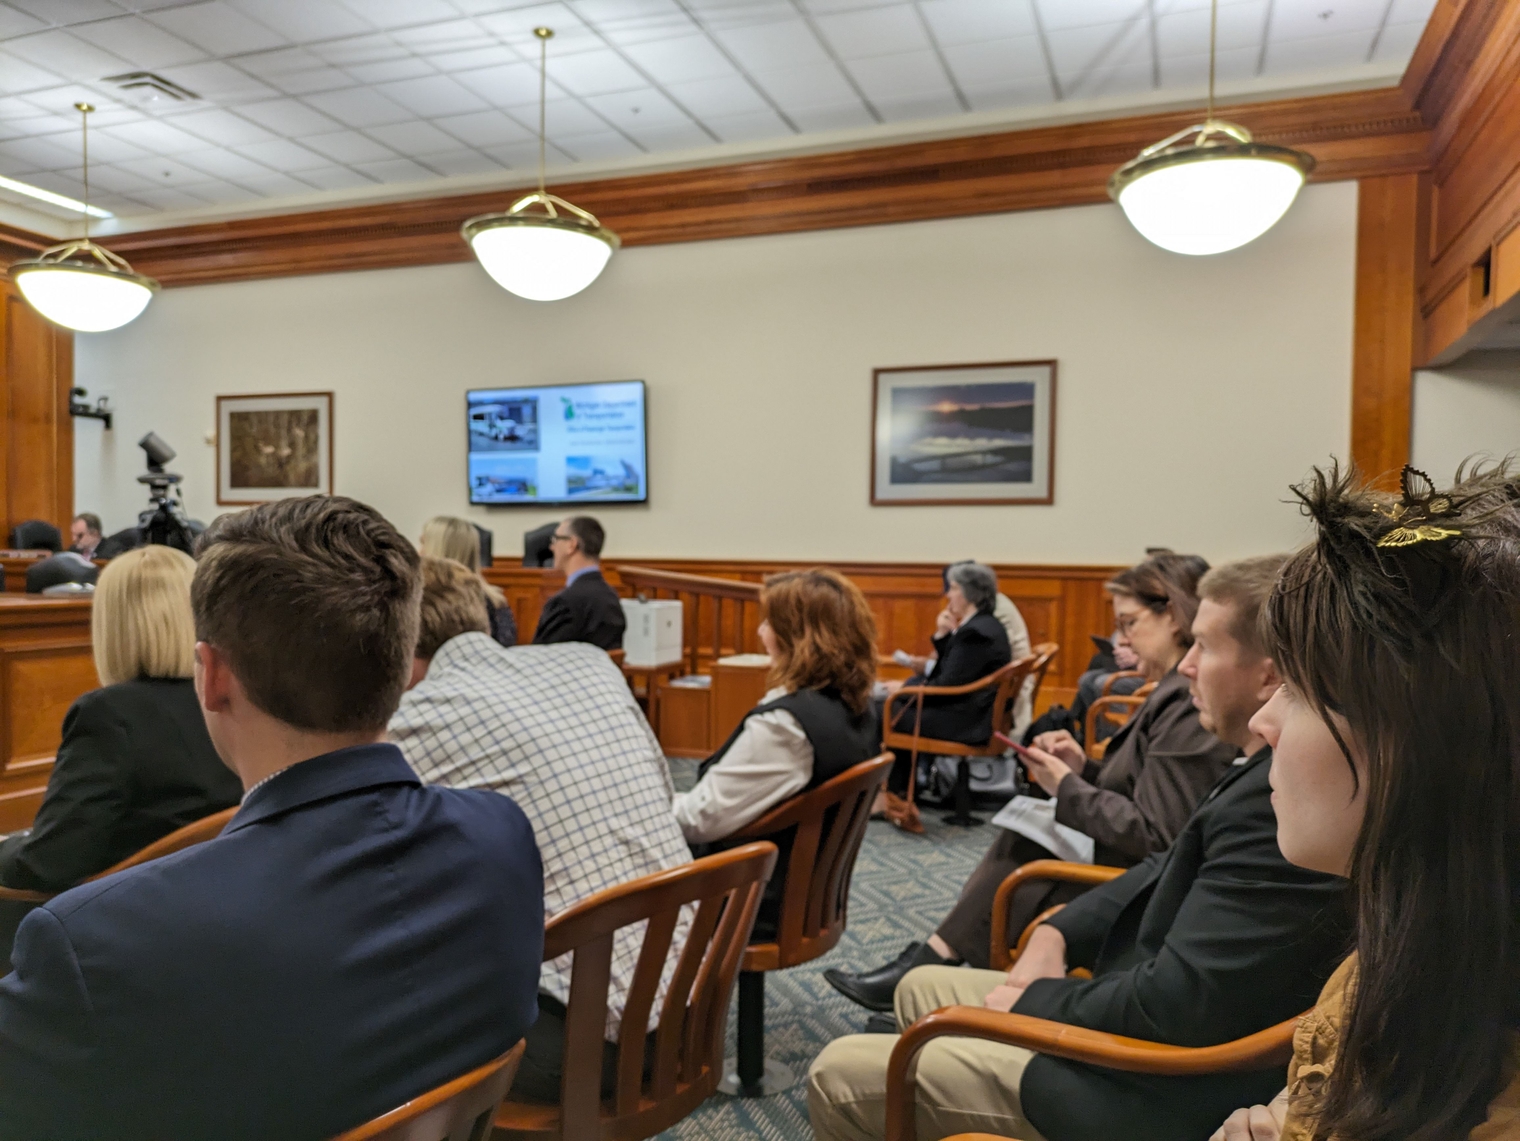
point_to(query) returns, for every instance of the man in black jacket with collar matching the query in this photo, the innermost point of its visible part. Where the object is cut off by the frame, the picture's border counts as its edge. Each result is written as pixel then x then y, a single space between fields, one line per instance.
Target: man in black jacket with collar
pixel 1216 938
pixel 587 610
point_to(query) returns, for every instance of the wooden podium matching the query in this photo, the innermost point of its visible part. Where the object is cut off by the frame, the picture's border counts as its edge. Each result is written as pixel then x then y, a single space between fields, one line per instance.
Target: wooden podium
pixel 739 682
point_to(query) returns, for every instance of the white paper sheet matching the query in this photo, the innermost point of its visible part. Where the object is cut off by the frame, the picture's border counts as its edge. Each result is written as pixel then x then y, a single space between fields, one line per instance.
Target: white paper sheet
pixel 1036 819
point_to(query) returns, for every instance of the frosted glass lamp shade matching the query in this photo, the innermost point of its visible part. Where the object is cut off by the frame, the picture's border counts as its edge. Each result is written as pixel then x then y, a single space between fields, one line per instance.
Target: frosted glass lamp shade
pixel 1207 199
pixel 84 297
pixel 540 258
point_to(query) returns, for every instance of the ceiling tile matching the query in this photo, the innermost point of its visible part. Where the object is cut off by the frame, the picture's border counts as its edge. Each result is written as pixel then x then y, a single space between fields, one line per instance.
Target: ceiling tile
pixel 1411 11
pixel 415 139
pixel 1128 78
pixel 39 125
pixel 432 95
pixel 224 193
pixel 1187 32
pixel 118 181
pixel 46 153
pixel 390 70
pixel 14 23
pixel 888 30
pixel 907 108
pixel 374 48
pixel 462 162
pixel 680 60
pixel 64 12
pixel 155 137
pixel 17 75
pixel 524 156
pixel 831 117
pixel 291 118
pixel 348 146
pixel 1079 51
pixel 509 85
pixel 818 85
pixel 907 76
pixel 485 128
pixel 974 21
pixel 401 13
pixel 640 111
pixel 1327 18
pixel 603 147
pixel 731 95
pixel 359 107
pixel 218 82
pixel 220 163
pixel 65 54
pixel 162 171
pixel 303 20
pixel 595 73
pixel 1288 57
pixel 748 126
pixel 1057 15
pixel 671 137
pixel 567 117
pixel 470 59
pixel 1008 94
pixel 282 154
pixel 395 170
pixel 774 46
pixel 1232 65
pixel 217 27
pixel 109 148
pixel 336 178
pixel 450 35
pixel 1009 63
pixel 1397 43
pixel 143 45
pixel 277 185
pixel 170 198
pixel 222 127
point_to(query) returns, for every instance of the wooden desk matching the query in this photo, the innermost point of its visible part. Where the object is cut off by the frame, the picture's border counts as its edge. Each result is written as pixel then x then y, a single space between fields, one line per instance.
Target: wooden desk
pixel 46 661
pixel 738 685
pixel 15 564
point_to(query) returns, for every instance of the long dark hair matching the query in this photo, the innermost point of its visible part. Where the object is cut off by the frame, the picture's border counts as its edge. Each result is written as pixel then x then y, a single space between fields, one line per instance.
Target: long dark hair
pixel 1403 617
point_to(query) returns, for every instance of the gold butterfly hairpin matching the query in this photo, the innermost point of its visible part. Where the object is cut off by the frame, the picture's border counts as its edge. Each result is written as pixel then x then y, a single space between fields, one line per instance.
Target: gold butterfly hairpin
pixel 1417 512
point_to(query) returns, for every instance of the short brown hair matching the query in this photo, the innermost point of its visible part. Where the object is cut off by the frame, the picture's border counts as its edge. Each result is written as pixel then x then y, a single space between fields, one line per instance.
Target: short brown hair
pixel 825 634
pixel 1244 587
pixel 453 603
pixel 314 603
pixel 1165 582
pixel 588 533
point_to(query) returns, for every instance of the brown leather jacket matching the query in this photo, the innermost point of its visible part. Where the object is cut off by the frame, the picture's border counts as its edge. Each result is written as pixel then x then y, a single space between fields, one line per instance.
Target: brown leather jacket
pixel 1159 765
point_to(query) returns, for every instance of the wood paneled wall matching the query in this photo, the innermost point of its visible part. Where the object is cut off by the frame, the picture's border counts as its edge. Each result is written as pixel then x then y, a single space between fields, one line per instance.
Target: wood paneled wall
pixel 37 443
pixel 1062 604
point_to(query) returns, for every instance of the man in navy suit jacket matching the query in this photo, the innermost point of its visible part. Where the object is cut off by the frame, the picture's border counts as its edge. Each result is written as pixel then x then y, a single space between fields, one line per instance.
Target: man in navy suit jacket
pixel 352 940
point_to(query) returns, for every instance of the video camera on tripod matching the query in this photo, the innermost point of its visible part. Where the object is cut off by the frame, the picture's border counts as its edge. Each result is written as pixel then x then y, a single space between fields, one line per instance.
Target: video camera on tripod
pixel 165 521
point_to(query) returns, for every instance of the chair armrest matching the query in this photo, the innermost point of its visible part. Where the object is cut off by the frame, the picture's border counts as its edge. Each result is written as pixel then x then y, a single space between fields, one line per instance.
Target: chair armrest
pixel 1058 871
pixel 1260 1051
pixel 1101 707
pixel 1108 685
pixel 794 808
pixel 20 895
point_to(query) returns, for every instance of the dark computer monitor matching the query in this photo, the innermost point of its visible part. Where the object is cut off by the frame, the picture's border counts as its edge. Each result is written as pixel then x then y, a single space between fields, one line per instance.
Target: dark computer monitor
pixel 487 539
pixel 537 546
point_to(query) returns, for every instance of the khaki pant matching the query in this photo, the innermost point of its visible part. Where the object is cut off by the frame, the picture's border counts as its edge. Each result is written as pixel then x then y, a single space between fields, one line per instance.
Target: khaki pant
pixel 965 1085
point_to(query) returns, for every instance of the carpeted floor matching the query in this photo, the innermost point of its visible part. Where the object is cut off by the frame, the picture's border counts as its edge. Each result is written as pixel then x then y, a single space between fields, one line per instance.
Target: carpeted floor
pixel 903 885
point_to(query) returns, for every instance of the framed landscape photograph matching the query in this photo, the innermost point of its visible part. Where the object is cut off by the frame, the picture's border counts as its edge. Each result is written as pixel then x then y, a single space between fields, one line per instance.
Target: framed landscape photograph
pixel 275 446
pixel 964 434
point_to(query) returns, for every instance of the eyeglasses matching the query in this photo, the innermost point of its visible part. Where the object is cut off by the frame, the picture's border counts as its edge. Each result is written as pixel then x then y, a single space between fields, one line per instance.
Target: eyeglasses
pixel 558 538
pixel 1126 622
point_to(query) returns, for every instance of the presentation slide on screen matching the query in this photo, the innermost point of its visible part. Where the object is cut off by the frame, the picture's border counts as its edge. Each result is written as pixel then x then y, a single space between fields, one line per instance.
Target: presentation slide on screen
pixel 559 444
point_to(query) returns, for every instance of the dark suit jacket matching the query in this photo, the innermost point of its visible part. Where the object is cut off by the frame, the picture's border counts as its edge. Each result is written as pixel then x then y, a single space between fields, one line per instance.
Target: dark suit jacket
pixel 1214 939
pixel 978 647
pixel 352 940
pixel 59 569
pixel 134 765
pixel 587 610
pixel 1158 766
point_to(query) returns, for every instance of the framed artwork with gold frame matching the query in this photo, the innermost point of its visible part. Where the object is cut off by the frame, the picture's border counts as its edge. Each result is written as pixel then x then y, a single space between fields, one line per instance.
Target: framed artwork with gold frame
pixel 276 445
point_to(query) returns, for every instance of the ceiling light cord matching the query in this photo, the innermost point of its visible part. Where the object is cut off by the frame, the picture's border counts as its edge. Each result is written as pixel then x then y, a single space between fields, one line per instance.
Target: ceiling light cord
pixel 1213 34
pixel 543 35
pixel 84 123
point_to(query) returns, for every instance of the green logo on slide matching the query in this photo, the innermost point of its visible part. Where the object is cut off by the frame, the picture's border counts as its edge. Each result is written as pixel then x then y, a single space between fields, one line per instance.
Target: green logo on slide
pixel 569 407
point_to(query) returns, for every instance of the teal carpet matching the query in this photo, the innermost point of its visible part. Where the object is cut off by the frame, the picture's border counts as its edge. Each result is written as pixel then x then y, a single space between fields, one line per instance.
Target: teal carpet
pixel 903 886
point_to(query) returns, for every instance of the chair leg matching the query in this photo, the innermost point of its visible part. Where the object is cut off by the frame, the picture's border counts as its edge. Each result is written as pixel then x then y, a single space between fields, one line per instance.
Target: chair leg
pixel 962 797
pixel 753 1075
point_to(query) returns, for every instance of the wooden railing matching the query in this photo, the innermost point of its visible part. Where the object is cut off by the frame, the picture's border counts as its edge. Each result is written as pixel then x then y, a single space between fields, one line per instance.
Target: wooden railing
pixel 731 609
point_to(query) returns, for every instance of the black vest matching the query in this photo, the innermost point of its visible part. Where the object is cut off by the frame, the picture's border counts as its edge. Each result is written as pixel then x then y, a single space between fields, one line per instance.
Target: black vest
pixel 840 739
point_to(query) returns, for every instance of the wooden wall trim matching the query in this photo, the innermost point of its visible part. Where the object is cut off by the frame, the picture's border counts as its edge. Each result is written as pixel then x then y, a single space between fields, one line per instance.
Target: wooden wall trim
pixel 1387 221
pixel 1351 134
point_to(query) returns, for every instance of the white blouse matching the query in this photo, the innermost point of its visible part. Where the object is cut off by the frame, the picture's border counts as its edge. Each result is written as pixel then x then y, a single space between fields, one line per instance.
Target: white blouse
pixel 770 760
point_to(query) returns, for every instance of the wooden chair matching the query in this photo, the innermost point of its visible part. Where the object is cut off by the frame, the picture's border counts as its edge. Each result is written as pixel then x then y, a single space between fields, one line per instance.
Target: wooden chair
pixel 1044 654
pixel 196 832
pixel 1005 684
pixel 460 1110
pixel 617 657
pixel 689 1038
pixel 1117 708
pixel 1260 1051
pixel 829 823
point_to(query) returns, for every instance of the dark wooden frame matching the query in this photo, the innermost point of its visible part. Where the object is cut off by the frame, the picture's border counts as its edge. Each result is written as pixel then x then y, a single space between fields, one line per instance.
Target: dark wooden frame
pixel 1050 475
pixel 331 415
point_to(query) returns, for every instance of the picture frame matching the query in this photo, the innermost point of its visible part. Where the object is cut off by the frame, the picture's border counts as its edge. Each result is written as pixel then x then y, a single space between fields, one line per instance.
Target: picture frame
pixel 274 445
pixel 964 434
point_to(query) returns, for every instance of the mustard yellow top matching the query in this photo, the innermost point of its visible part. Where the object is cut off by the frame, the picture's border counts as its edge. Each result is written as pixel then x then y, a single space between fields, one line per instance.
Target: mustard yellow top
pixel 1314 1047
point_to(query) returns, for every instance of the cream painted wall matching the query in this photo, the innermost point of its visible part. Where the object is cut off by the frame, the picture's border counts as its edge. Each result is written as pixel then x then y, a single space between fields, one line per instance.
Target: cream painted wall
pixel 1191 391
pixel 1469 409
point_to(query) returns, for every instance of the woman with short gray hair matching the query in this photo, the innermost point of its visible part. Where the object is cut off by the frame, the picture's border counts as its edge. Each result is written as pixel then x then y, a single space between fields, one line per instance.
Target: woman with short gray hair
pixel 970 643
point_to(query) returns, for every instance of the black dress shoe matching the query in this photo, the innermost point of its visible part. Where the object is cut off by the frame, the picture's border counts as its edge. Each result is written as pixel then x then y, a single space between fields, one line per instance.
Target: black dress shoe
pixel 873 989
pixel 880 1024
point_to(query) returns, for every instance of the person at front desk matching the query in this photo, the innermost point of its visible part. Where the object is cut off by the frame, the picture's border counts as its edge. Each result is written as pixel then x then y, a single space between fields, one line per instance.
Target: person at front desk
pixel 587 610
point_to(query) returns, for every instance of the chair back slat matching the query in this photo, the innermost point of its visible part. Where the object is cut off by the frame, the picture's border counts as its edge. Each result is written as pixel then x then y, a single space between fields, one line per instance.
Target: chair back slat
pixel 830 825
pixel 726 890
pixel 1010 685
pixel 460 1110
pixel 1044 654
pixel 635 1025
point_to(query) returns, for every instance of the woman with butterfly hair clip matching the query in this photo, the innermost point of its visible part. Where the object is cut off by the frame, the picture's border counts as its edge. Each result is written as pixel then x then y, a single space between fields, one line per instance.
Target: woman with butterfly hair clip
pixel 1396 762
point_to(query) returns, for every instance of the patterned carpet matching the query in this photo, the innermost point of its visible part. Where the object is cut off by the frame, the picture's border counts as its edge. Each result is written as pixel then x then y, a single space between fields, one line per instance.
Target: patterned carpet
pixel 903 885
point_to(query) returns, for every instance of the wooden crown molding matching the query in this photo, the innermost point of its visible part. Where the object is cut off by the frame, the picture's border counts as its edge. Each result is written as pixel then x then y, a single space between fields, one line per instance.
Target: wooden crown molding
pixel 1351 134
pixel 17 244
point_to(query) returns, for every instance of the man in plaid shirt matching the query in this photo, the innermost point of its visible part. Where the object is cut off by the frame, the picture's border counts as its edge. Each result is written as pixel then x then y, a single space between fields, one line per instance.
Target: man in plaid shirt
pixel 556 729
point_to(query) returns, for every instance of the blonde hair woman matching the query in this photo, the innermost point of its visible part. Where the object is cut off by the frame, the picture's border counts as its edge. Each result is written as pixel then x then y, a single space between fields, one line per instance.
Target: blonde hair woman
pixel 135 762
pixel 450 537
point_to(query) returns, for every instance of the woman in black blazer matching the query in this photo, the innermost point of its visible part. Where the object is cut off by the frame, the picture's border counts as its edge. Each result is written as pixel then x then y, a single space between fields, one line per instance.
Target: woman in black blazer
pixel 135 762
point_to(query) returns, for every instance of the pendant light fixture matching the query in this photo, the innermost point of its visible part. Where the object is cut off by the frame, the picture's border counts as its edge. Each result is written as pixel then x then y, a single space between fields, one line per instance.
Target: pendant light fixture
pixel 547 253
pixel 1209 188
pixel 78 284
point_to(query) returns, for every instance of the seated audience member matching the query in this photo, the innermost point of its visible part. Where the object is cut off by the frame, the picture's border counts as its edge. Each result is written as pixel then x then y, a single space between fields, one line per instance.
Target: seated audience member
pixel 1157 768
pixel 813 725
pixel 85 533
pixel 135 762
pixel 556 729
pixel 449 537
pixel 1395 763
pixel 587 609
pixel 352 940
pixel 969 644
pixel 1214 939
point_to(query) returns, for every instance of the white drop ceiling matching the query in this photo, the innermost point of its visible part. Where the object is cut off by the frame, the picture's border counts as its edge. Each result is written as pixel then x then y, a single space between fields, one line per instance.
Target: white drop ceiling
pixel 322 102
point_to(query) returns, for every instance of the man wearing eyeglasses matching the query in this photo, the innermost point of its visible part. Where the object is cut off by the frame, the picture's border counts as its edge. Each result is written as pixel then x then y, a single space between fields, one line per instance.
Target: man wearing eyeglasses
pixel 587 610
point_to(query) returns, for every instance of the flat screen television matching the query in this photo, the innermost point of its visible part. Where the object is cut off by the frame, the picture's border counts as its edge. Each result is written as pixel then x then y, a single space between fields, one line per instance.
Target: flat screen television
pixel 558 444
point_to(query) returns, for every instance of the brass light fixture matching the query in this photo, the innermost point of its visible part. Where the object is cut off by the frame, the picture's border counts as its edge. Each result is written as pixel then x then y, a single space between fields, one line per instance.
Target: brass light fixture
pixel 543 248
pixel 1211 187
pixel 81 285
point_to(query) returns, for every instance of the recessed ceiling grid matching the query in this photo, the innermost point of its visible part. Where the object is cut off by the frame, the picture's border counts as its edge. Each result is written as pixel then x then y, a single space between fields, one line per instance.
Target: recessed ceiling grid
pixel 304 96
